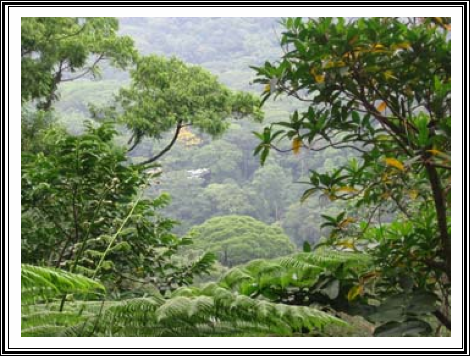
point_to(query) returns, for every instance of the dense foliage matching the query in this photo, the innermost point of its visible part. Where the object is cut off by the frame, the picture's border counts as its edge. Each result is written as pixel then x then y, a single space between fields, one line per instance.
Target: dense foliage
pixel 58 49
pixel 81 210
pixel 145 211
pixel 239 239
pixel 167 93
pixel 381 87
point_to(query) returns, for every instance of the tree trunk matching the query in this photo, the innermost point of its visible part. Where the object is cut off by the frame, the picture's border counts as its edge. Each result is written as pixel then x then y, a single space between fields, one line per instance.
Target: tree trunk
pixel 441 211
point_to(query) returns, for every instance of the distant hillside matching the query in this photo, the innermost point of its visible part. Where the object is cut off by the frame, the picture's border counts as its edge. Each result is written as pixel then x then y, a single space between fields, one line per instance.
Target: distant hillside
pixel 225 46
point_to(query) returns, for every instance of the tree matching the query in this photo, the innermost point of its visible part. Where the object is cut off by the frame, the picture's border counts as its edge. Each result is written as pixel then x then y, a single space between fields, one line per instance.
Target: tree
pixel 379 87
pixel 224 199
pixel 82 210
pixel 276 193
pixel 168 94
pixel 34 128
pixel 61 49
pixel 239 239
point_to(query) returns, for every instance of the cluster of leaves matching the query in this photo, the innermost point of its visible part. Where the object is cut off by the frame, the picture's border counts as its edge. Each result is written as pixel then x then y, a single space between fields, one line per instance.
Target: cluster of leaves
pixel 81 211
pixel 324 278
pixel 379 87
pixel 167 93
pixel 57 49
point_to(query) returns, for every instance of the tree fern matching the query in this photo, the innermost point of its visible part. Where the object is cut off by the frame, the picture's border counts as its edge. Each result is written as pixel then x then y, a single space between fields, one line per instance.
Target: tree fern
pixel 44 283
pixel 299 270
pixel 40 289
pixel 217 309
pixel 211 311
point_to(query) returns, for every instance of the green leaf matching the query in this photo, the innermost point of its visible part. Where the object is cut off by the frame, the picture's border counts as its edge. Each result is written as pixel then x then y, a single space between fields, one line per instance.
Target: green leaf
pixel 406 328
pixel 264 155
pixel 307 194
pixel 422 303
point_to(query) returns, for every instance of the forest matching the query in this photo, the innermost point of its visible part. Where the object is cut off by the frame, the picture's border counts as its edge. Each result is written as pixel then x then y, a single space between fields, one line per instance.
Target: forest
pixel 235 177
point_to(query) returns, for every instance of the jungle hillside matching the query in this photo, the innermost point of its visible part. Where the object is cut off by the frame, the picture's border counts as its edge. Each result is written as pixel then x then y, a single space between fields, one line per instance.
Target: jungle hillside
pixel 235 177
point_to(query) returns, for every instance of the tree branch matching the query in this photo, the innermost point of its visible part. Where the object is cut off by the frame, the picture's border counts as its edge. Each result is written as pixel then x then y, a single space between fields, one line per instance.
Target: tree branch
pixel 87 70
pixel 179 126
pixel 443 319
pixel 136 142
pixel 440 206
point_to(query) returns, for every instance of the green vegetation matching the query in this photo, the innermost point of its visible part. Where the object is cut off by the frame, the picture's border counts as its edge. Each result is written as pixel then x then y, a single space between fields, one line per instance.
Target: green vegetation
pixel 166 93
pixel 146 212
pixel 239 239
pixel 63 49
pixel 382 88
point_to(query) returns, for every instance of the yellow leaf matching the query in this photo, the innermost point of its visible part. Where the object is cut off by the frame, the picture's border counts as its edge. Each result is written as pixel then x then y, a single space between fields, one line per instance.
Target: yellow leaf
pixel 434 152
pixel 382 106
pixel 431 281
pixel 320 79
pixel 402 45
pixel 267 88
pixel 413 194
pixel 346 222
pixel 395 163
pixel 296 144
pixel 369 275
pixel 385 179
pixel 334 65
pixel 389 75
pixel 385 195
pixel 378 48
pixel 347 190
pixel 355 291
pixel 408 91
pixel 447 27
pixel 346 244
pixel 446 157
pixel 438 19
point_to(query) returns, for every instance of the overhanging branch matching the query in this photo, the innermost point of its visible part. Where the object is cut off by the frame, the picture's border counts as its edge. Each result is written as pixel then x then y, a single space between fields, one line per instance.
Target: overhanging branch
pixel 179 126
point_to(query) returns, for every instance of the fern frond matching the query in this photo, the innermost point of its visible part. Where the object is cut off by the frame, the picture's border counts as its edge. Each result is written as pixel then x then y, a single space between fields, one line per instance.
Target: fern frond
pixel 211 311
pixel 44 283
pixel 234 277
pixel 327 258
pixel 40 312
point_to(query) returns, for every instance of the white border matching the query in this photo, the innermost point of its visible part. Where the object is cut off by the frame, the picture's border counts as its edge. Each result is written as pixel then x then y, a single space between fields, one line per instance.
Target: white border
pixel 14 180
